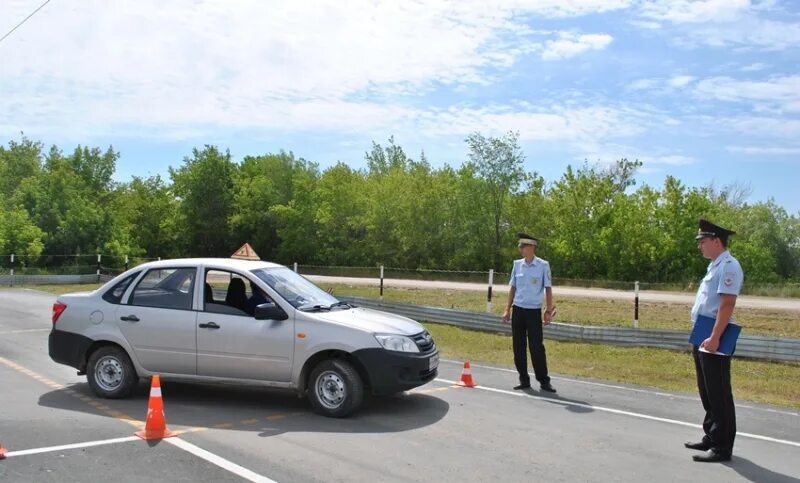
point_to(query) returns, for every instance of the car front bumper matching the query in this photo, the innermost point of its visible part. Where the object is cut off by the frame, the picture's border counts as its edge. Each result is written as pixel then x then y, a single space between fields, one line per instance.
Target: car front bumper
pixel 391 372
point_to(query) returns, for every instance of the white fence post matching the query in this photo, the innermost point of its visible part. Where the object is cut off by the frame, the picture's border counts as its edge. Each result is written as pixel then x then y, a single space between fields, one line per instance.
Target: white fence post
pixel 12 270
pixel 489 293
pixel 381 282
pixel 295 267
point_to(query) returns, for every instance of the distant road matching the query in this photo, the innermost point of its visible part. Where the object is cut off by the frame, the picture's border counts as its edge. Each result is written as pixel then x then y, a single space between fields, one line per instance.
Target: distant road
pixel 644 296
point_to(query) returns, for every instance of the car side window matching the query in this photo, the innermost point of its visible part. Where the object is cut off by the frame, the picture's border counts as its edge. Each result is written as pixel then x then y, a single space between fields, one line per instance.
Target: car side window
pixel 169 288
pixel 115 293
pixel 231 293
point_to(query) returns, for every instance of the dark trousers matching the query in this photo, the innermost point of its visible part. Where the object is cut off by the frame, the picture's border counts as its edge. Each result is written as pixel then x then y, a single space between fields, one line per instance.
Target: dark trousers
pixel 714 385
pixel 526 329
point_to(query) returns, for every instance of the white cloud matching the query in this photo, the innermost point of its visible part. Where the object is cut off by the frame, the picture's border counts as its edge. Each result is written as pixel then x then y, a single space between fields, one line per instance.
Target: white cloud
pixel 183 66
pixel 754 67
pixel 653 158
pixel 643 84
pixel 571 8
pixel 694 11
pixel 766 150
pixel 750 32
pixel 570 45
pixel 556 123
pixel 680 81
pixel 645 24
pixel 764 126
pixel 721 23
pixel 669 160
pixel 781 92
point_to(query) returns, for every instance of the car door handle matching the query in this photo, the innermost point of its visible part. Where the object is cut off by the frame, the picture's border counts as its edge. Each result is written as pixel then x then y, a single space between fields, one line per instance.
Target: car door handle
pixel 210 325
pixel 129 318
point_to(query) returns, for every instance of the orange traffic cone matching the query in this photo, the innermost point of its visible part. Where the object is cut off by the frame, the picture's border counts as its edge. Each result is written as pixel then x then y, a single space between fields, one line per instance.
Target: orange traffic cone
pixel 466 376
pixel 2 452
pixel 155 427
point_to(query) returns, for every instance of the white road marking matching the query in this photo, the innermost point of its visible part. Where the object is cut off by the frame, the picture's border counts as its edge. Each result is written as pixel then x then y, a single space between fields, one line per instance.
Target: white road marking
pixel 219 461
pixel 22 331
pixel 63 447
pixel 184 445
pixel 630 389
pixel 618 411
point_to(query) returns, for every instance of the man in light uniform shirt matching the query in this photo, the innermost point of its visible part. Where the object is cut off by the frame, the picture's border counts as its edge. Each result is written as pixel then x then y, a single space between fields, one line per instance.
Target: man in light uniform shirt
pixel 531 285
pixel 716 298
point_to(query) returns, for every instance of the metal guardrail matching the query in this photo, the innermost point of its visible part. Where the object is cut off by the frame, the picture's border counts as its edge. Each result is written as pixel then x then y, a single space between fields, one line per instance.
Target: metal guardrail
pixel 750 346
pixel 11 280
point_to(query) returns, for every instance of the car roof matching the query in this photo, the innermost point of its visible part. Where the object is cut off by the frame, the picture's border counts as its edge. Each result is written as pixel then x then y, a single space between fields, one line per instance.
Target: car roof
pixel 232 263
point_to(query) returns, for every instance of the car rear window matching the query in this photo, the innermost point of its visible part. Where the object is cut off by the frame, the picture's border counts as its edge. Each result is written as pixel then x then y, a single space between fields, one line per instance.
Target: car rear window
pixel 115 293
pixel 169 288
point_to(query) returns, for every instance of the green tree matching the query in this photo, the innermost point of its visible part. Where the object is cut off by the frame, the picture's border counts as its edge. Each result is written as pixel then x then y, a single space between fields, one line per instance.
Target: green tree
pixel 296 220
pixel 340 217
pixel 498 163
pixel 20 161
pixel 147 210
pixel 19 234
pixel 204 186
pixel 261 183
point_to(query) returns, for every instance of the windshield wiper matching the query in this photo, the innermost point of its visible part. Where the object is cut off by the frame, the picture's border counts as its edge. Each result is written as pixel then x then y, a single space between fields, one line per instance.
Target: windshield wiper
pixel 341 304
pixel 313 308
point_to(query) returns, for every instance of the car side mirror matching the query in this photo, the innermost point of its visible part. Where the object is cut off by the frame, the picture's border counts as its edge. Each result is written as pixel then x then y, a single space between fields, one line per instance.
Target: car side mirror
pixel 269 311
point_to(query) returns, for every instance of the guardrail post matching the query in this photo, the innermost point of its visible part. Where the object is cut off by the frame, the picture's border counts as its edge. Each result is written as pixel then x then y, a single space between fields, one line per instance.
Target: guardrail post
pixel 489 292
pixel 636 306
pixel 295 267
pixel 126 263
pixel 98 267
pixel 381 282
pixel 12 270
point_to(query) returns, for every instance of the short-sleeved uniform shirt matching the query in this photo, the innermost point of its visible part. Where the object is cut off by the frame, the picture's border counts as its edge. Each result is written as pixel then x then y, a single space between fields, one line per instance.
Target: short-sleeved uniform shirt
pixel 724 276
pixel 530 280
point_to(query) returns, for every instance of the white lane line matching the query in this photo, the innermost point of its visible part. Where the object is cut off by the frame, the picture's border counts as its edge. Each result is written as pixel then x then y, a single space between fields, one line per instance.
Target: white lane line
pixel 22 331
pixel 63 447
pixel 619 411
pixel 630 389
pixel 219 461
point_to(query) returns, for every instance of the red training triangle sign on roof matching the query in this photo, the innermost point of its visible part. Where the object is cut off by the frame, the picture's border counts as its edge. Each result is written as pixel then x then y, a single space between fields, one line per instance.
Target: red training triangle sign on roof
pixel 246 252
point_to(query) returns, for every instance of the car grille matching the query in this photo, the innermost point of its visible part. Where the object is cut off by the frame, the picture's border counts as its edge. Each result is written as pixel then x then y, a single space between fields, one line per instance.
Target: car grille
pixel 424 341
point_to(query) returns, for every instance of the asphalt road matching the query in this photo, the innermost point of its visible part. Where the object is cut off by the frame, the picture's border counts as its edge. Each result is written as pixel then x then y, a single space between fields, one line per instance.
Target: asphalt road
pixel 498 289
pixel 589 431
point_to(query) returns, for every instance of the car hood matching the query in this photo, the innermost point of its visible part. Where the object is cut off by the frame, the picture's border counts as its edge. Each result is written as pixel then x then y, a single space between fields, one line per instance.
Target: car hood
pixel 370 320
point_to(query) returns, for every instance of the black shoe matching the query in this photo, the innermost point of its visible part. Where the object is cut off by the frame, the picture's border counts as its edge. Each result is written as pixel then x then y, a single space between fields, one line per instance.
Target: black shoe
pixel 522 386
pixel 701 446
pixel 547 387
pixel 712 456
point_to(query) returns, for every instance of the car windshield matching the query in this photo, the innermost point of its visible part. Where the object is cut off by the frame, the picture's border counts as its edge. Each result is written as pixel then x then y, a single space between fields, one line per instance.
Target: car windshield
pixel 297 290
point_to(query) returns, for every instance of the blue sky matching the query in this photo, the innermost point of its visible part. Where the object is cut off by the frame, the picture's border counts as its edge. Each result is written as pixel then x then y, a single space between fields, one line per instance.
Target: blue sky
pixel 707 91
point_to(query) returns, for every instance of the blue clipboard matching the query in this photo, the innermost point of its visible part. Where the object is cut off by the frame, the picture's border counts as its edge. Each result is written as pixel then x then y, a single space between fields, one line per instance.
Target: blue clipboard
pixel 702 331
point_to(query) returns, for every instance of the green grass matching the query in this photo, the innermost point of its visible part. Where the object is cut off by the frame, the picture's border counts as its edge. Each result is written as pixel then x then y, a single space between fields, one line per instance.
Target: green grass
pixel 761 381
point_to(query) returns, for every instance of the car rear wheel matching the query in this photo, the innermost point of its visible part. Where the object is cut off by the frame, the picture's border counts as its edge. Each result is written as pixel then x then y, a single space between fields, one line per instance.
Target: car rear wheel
pixel 110 373
pixel 335 388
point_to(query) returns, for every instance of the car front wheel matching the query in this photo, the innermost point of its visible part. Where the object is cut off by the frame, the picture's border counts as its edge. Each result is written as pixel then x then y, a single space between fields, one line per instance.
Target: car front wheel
pixel 335 388
pixel 110 373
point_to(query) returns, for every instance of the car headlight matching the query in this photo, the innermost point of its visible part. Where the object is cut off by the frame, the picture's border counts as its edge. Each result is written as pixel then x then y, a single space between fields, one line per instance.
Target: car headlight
pixel 399 343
